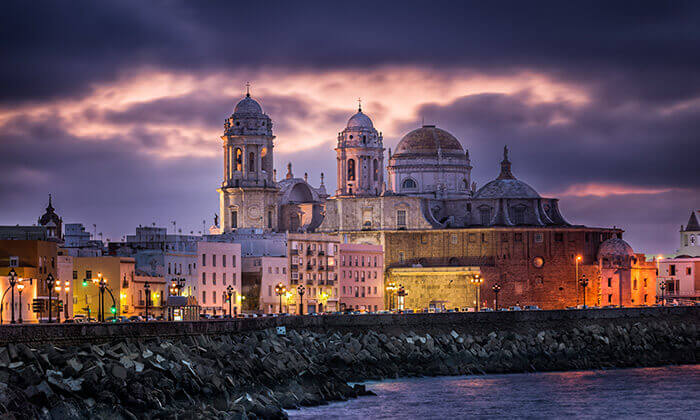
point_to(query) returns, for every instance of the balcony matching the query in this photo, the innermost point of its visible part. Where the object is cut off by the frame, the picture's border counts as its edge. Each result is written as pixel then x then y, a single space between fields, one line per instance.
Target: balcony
pixel 294 252
pixel 321 252
pixel 294 266
pixel 309 251
pixel 321 268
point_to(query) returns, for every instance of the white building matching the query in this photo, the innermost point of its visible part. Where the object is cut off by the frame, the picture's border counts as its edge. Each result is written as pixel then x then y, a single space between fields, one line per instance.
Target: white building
pixel 219 267
pixel 268 273
pixel 78 242
pixel 681 277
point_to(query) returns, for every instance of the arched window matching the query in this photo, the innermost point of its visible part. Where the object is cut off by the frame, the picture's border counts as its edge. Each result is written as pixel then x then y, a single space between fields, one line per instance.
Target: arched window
pixel 408 183
pixel 251 162
pixel 234 219
pixel 465 184
pixel 376 170
pixel 351 169
pixel 239 160
pixel 269 219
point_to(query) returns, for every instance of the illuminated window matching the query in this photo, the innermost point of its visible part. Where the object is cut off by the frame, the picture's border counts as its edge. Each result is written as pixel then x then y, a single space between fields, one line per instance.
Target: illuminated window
pixel 239 160
pixel 351 169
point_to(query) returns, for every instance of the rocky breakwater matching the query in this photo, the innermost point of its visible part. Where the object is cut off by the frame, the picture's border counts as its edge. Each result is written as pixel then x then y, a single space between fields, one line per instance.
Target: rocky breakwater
pixel 257 374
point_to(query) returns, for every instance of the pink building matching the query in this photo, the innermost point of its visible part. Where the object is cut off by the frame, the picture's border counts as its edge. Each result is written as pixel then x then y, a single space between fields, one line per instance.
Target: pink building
pixel 361 277
pixel 219 267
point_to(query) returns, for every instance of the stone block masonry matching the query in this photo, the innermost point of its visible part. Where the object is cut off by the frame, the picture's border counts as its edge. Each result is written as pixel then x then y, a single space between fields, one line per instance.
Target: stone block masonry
pixel 243 369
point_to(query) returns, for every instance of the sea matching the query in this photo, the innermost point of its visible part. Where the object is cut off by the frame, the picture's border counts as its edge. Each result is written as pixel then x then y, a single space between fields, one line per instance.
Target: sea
pixel 671 392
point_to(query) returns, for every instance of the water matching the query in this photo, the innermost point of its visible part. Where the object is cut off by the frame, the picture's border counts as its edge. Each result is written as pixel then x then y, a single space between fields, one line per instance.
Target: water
pixel 672 392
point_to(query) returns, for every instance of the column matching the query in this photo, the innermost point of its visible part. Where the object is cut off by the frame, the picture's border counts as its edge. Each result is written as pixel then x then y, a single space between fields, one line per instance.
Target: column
pixel 226 161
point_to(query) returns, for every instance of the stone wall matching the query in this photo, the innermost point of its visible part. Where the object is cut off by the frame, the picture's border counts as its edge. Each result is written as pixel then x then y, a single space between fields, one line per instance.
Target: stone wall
pixel 468 322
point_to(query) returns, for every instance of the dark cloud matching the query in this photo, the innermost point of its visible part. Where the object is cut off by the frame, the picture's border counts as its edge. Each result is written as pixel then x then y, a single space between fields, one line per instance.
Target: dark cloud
pixel 645 49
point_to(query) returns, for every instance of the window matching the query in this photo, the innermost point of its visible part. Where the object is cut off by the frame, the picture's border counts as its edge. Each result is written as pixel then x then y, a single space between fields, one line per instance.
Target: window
pixel 483 238
pixel 239 159
pixel 609 298
pixel 519 215
pixel 401 218
pixel 518 237
pixel 213 279
pixel 88 274
pixel 223 260
pixel 453 239
pixel 559 237
pixel 204 260
pixel 233 260
pixel 204 297
pixel 224 278
pixel 609 281
pixel 409 184
pixel 75 275
pixel 14 261
pixel 485 215
pixel 269 219
pixel 213 297
pixel 213 260
pixel 424 239
pixel 539 237
pixel 672 270
pixel 375 260
pixel 168 268
pixel 375 169
pixel 504 237
pixel 402 257
pixel 688 271
pixel 351 169
pixel 634 284
pixel 204 278
pixel 645 283
pixel 284 270
pixel 234 219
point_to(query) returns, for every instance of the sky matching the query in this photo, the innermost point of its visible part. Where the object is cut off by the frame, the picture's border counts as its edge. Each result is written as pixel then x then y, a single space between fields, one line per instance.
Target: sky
pixel 116 108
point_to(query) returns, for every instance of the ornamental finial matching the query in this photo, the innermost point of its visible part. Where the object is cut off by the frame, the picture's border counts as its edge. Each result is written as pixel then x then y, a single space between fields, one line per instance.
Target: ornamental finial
pixel 247 89
pixel 359 104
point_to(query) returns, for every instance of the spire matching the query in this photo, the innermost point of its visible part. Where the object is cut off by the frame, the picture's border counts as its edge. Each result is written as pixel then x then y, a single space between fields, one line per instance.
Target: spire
pixel 247 89
pixel 306 177
pixel 289 171
pixel 50 206
pixel 359 104
pixel 693 224
pixel 321 178
pixel 505 166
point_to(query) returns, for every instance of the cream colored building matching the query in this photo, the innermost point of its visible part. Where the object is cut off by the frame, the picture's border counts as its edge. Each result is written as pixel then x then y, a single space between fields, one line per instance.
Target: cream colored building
pixel 119 272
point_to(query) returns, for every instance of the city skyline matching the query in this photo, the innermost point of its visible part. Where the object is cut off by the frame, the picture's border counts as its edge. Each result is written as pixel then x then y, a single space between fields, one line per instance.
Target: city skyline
pixel 134 138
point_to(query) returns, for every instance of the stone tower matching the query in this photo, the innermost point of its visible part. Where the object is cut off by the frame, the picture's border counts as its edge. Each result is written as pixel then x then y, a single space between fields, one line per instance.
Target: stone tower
pixel 360 155
pixel 248 193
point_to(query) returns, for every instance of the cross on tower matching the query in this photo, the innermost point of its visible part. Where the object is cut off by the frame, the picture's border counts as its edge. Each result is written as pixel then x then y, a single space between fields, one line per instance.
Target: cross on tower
pixel 247 89
pixel 359 104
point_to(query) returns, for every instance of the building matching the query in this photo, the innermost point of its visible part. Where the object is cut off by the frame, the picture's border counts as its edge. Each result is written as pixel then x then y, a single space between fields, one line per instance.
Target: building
pixel 33 261
pixel 680 279
pixel 361 277
pixel 119 274
pixel 626 278
pixel 78 242
pixel 690 237
pixel 263 275
pixel 52 222
pixel 439 232
pixel 219 267
pixel 312 263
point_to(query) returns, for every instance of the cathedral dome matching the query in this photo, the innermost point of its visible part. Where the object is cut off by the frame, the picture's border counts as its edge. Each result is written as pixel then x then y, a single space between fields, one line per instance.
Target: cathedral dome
pixel 427 140
pixel 360 120
pixel 506 188
pixel 248 105
pixel 615 247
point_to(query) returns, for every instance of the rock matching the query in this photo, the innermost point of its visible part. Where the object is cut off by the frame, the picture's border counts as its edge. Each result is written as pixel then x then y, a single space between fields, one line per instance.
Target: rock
pixel 118 371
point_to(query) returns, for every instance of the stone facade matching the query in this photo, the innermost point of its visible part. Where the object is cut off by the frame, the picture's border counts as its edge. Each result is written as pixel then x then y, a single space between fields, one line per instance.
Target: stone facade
pixel 360 158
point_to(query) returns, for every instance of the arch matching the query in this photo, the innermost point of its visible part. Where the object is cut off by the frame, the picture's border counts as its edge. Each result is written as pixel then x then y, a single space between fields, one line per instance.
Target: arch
pixel 351 169
pixel 300 193
pixel 454 261
pixel 375 169
pixel 409 184
pixel 251 162
pixel 239 159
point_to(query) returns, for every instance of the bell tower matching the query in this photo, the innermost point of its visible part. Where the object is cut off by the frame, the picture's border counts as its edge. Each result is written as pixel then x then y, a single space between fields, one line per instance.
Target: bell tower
pixel 360 158
pixel 248 193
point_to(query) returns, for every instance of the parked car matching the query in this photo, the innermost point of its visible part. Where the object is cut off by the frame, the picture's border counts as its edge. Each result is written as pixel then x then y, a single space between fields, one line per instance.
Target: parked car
pixel 136 318
pixel 516 308
pixel 486 310
pixel 531 308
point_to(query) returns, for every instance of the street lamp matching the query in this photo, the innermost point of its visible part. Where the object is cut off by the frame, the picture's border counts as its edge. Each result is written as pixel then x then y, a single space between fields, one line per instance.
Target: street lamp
pixel 391 287
pixel 476 280
pixel 279 291
pixel 401 294
pixel 578 260
pixel 50 283
pixel 229 293
pixel 583 281
pixel 13 282
pixel 301 290
pixel 20 288
pixel 663 296
pixel 496 288
pixel 147 288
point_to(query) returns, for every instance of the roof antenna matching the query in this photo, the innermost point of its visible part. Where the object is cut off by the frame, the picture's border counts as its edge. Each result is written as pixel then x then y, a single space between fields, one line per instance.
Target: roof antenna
pixel 359 104
pixel 247 89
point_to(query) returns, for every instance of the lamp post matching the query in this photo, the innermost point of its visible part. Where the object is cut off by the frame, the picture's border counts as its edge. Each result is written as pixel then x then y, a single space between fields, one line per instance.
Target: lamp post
pixel 578 260
pixel 20 288
pixel 50 283
pixel 66 289
pixel 147 288
pixel 663 296
pixel 301 290
pixel 401 297
pixel 476 280
pixel 279 291
pixel 13 282
pixel 583 281
pixel 496 288
pixel 391 287
pixel 229 293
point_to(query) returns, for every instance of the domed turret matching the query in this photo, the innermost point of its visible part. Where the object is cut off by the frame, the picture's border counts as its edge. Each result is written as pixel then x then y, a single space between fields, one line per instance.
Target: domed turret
pixel 615 247
pixel 360 120
pixel 506 185
pixel 248 105
pixel 428 140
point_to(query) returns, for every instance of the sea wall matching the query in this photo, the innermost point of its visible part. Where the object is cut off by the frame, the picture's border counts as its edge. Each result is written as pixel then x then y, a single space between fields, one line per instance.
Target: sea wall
pixel 255 373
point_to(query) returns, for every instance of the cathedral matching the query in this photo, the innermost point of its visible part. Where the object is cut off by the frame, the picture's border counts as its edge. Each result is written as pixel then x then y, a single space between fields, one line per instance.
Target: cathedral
pixel 438 231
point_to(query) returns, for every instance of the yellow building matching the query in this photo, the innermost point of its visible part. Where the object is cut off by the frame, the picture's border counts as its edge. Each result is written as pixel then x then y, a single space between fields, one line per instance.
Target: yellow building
pixel 118 272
